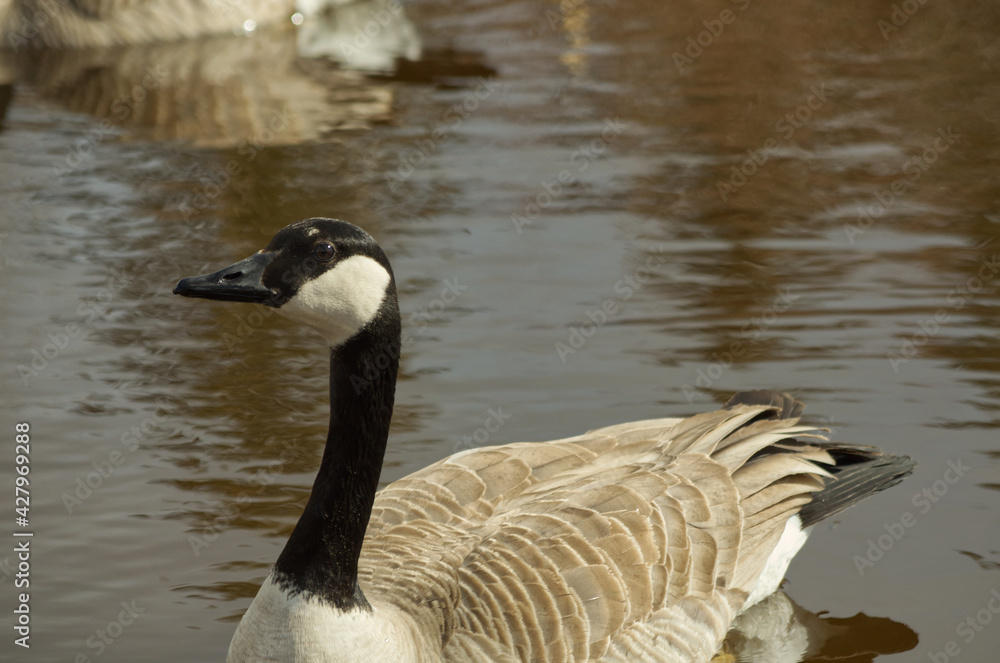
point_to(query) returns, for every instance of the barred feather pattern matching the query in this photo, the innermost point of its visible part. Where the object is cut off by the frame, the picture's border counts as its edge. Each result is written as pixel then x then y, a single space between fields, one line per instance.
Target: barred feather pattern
pixel 638 542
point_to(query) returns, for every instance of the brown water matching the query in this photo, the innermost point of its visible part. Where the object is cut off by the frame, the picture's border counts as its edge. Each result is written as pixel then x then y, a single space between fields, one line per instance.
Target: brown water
pixel 592 168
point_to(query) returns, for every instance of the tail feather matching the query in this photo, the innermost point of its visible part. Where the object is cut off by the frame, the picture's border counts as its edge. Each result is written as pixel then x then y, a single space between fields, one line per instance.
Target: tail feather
pixel 859 472
pixel 856 471
pixel 785 406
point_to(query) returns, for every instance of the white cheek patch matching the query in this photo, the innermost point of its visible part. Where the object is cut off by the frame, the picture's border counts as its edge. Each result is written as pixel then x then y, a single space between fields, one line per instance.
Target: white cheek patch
pixel 342 300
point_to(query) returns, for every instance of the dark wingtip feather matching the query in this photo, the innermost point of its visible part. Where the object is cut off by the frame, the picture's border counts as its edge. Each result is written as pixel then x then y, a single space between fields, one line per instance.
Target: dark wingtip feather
pixel 860 472
pixel 786 406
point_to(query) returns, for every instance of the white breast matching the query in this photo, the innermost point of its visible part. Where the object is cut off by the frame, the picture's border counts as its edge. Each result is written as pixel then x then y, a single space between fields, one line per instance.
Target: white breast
pixel 279 628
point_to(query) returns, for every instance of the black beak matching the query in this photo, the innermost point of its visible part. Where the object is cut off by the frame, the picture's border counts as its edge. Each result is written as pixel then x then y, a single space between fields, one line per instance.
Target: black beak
pixel 237 283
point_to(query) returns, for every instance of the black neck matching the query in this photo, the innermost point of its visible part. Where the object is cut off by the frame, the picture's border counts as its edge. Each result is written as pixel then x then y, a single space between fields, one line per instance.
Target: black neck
pixel 321 556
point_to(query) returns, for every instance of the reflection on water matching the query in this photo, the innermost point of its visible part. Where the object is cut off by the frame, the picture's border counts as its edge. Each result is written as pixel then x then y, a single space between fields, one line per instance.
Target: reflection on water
pixel 305 86
pixel 806 204
pixel 29 24
pixel 366 36
pixel 199 93
pixel 777 630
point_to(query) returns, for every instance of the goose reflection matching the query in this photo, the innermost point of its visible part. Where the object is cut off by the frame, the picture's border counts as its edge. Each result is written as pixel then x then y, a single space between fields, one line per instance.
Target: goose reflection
pixel 778 630
pixel 107 23
pixel 279 85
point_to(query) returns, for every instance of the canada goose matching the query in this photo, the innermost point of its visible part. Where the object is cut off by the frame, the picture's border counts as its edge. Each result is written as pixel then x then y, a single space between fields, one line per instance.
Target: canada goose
pixel 104 23
pixel 636 542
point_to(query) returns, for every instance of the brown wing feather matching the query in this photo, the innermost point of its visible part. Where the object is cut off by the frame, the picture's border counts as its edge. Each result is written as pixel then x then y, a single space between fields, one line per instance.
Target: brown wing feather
pixel 594 547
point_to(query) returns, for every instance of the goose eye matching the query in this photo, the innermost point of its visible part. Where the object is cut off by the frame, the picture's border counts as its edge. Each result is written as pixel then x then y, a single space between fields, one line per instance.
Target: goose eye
pixel 324 252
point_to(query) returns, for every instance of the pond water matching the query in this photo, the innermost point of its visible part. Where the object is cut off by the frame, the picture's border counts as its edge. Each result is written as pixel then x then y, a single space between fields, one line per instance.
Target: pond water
pixel 804 198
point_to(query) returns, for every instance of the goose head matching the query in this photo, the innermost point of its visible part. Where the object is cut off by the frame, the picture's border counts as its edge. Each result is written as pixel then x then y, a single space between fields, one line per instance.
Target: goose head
pixel 327 274
pixel 332 276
